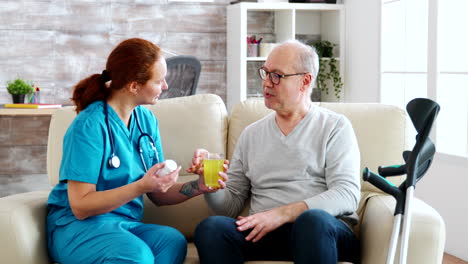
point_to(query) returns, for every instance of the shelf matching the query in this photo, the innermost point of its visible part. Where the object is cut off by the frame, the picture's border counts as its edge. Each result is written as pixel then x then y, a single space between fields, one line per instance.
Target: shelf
pixel 328 58
pixel 288 6
pixel 28 112
pixel 276 23
pixel 256 58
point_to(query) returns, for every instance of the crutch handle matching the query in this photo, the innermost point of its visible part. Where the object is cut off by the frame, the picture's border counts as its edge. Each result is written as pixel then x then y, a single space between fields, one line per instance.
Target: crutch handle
pixel 380 182
pixel 392 170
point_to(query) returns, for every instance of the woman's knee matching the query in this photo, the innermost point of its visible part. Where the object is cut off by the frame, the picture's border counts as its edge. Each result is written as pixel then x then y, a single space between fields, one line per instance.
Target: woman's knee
pixel 179 241
pixel 175 239
pixel 167 243
pixel 130 253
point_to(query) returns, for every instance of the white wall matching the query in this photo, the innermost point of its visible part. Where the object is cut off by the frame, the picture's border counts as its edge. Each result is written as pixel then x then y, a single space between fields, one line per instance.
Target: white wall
pixel 362 76
pixel 445 187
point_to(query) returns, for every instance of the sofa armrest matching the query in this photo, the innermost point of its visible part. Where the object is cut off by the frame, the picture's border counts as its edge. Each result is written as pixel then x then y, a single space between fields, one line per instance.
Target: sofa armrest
pixel 23 228
pixel 427 232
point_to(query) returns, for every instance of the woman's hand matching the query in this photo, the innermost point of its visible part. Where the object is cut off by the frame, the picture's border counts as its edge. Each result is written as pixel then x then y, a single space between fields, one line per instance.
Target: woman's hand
pixel 152 183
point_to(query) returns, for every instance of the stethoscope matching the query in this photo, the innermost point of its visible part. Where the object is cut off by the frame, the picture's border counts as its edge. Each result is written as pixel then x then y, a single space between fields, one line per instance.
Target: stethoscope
pixel 114 160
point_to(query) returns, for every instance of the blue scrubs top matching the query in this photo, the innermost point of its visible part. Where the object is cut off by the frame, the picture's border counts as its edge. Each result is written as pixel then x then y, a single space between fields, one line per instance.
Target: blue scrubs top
pixel 86 151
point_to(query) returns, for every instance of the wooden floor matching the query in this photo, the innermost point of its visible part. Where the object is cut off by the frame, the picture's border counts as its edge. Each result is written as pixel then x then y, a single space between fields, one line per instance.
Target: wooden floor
pixel 449 259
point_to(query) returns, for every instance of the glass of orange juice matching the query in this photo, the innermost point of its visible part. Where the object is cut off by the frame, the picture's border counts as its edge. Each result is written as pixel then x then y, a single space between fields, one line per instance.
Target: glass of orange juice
pixel 212 165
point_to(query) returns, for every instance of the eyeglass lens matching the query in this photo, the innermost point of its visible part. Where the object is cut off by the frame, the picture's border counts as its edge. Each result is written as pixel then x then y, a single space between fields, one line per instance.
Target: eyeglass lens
pixel 274 78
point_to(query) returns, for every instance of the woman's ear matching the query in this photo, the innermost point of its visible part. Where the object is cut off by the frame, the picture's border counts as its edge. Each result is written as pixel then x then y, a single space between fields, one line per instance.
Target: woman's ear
pixel 133 88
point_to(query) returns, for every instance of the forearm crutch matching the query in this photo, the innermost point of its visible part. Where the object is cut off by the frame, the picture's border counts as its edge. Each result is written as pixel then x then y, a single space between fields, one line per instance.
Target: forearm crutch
pixel 423 113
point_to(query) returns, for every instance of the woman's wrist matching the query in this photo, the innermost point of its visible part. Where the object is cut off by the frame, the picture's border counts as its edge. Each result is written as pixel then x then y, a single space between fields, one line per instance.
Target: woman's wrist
pixel 140 187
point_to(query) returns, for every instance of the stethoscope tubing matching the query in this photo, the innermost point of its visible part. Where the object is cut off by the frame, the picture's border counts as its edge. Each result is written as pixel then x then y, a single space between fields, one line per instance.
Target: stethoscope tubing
pixel 142 135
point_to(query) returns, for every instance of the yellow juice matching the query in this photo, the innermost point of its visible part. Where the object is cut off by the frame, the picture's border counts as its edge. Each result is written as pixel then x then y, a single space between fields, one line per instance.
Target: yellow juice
pixel 211 168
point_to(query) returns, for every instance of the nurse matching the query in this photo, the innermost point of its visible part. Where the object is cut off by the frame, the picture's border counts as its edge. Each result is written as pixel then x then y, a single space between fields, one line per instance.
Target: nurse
pixel 96 208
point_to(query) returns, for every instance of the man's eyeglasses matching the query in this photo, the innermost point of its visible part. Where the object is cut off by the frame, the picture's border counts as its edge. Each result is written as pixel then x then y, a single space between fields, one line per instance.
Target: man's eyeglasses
pixel 275 78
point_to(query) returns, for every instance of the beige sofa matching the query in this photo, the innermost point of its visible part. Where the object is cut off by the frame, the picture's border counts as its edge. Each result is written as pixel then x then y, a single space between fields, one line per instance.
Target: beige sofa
pixel 202 121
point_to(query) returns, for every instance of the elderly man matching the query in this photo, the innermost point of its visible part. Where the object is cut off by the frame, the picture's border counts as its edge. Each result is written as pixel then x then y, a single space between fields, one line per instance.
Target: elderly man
pixel 300 167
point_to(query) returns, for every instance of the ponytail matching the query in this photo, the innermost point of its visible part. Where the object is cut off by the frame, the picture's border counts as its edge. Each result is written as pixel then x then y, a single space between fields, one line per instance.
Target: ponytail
pixel 88 91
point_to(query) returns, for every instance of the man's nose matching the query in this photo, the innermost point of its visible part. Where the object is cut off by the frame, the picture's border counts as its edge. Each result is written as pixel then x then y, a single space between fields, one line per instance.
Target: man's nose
pixel 267 81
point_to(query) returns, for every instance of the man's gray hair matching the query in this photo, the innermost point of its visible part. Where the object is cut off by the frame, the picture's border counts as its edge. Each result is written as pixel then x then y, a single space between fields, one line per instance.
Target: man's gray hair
pixel 308 60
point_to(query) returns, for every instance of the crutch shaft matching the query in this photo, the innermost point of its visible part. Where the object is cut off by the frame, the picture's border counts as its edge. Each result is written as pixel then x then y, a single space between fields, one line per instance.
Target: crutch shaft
pixel 394 239
pixel 406 225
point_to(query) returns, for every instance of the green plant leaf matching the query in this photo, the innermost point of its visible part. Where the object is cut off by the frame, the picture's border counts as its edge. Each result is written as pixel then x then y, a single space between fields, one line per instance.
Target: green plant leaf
pixel 329 74
pixel 18 86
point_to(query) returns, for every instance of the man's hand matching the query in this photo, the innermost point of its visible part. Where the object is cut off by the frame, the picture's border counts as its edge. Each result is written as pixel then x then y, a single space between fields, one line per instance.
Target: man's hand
pixel 265 222
pixel 197 167
pixel 261 223
pixel 222 182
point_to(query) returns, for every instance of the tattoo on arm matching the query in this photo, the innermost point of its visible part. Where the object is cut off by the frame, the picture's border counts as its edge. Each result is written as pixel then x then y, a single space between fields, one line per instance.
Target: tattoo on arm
pixel 189 188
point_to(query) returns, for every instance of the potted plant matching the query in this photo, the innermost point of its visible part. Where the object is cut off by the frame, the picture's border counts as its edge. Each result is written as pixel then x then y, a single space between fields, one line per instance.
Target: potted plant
pixel 329 75
pixel 18 89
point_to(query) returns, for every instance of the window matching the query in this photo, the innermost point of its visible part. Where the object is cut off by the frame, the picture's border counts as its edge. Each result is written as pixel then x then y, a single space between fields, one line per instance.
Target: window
pixel 424 54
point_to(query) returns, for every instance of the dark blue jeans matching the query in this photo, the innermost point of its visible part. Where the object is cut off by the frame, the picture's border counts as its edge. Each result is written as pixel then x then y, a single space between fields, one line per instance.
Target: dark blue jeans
pixel 315 237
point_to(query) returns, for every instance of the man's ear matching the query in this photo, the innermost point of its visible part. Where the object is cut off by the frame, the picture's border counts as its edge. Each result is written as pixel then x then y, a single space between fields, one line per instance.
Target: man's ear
pixel 306 81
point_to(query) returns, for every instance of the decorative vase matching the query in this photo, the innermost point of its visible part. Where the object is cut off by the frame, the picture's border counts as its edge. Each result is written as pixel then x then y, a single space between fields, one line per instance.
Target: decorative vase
pixel 18 98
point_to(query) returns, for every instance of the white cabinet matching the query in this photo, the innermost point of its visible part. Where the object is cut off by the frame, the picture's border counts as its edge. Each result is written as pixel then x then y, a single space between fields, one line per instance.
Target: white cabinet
pixel 288 21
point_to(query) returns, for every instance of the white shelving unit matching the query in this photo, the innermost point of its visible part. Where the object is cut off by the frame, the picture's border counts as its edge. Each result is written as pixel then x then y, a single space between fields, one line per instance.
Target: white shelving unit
pixel 290 20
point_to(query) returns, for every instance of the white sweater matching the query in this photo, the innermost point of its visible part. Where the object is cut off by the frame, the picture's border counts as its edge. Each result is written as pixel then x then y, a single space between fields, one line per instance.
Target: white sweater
pixel 318 163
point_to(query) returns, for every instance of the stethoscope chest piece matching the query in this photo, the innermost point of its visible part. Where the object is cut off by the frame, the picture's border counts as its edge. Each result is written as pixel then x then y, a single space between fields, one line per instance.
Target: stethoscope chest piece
pixel 114 161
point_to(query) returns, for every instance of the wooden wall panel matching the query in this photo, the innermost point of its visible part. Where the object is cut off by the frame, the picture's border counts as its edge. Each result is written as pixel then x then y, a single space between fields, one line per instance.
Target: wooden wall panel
pixel 58 43
pixel 205 46
pixel 213 78
pixel 261 22
pixel 23 159
pixel 24 130
pixel 13 184
pixel 19 44
pixel 23 144
pixel 72 16
pixel 169 18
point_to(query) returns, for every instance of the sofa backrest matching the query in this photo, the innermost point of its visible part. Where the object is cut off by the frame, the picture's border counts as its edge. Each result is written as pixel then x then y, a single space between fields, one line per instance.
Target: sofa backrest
pixel 185 123
pixel 381 130
pixel 203 122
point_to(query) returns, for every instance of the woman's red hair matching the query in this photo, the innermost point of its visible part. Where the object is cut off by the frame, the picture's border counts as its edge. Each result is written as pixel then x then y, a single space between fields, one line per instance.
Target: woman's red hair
pixel 132 60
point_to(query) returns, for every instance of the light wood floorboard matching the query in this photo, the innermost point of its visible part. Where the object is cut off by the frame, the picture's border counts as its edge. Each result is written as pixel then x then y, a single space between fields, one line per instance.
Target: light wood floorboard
pixel 449 259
